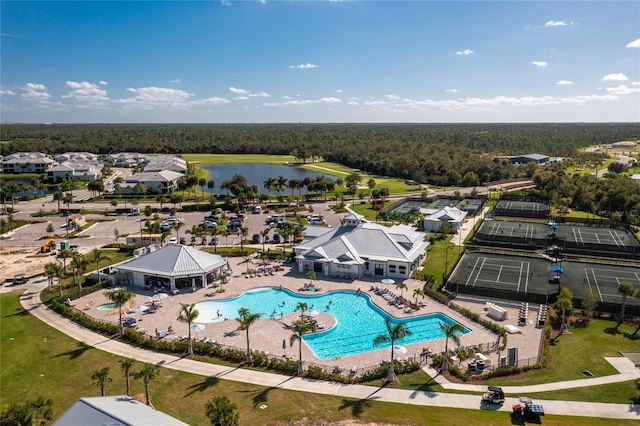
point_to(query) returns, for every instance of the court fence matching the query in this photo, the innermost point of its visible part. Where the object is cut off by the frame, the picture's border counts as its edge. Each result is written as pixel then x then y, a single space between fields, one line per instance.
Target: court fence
pixel 603 307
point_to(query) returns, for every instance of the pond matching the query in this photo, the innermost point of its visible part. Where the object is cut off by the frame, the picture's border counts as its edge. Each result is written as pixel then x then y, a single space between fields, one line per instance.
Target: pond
pixel 256 174
pixel 26 181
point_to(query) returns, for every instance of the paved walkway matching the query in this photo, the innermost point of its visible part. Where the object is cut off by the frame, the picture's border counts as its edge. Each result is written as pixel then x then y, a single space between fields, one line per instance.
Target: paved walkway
pixel 31 301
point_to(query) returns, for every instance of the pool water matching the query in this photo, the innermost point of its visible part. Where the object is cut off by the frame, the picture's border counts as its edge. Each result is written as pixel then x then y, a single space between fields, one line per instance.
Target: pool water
pixel 358 320
pixel 106 307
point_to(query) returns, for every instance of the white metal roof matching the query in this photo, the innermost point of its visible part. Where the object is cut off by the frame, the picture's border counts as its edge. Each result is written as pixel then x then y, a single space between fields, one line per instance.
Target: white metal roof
pixel 114 411
pixel 174 260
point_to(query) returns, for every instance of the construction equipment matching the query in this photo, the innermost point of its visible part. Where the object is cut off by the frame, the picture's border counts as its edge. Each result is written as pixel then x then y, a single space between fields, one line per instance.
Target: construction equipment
pixel 48 246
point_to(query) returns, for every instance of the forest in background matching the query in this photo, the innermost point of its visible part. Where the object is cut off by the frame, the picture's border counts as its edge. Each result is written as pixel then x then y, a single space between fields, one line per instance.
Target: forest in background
pixel 437 154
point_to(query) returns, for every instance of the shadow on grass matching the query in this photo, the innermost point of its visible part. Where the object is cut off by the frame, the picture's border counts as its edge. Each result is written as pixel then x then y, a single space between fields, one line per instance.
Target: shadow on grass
pixel 21 312
pixel 358 406
pixel 203 386
pixel 612 330
pixel 262 396
pixel 76 353
pixel 426 387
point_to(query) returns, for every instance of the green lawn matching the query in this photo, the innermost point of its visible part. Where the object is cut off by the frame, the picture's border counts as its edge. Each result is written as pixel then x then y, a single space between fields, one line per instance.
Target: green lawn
pixel 583 349
pixel 39 360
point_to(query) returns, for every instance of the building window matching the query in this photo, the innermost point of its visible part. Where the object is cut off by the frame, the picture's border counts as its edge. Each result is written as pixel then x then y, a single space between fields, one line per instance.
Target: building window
pixel 402 269
pixel 366 266
pixel 392 269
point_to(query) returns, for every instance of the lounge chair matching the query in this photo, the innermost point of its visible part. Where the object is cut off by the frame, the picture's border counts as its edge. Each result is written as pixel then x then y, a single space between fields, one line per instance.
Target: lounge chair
pixel 70 302
pixel 354 370
pixel 162 334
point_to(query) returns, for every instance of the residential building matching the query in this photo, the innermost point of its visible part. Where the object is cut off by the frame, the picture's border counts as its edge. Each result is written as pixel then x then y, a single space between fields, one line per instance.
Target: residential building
pixel 127 159
pixel 434 220
pixel 77 156
pixel 26 162
pixel 86 170
pixel 166 162
pixel 525 159
pixel 162 182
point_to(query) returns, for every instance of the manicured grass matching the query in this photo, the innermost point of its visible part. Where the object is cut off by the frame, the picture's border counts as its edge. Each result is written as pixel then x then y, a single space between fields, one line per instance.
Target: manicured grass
pixel 206 159
pixel 39 360
pixel 436 256
pixel 583 349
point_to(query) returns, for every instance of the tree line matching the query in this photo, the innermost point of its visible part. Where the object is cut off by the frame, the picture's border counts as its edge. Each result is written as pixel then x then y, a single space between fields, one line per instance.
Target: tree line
pixel 438 154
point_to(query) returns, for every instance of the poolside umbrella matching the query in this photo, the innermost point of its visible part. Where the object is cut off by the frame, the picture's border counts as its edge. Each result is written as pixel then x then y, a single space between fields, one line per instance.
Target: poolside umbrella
pixel 558 268
pixel 159 296
pixel 141 309
pixel 388 281
pixel 284 344
pixel 398 350
pixel 197 327
pixel 312 313
pixel 554 227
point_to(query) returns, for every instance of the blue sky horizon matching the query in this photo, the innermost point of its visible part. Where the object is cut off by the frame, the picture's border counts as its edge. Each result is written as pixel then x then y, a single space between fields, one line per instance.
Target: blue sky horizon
pixel 319 62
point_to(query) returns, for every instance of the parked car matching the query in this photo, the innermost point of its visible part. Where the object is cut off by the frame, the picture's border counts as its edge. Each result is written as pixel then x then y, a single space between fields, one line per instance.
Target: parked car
pixel 173 240
pixel 165 227
pixel 212 218
pixel 172 220
pixel 209 224
pixel 317 222
pixel 213 241
pixel 276 238
pixel 255 239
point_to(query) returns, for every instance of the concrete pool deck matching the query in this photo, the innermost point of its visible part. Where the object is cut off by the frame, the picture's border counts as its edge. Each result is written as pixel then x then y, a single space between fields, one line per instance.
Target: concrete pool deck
pixel 267 335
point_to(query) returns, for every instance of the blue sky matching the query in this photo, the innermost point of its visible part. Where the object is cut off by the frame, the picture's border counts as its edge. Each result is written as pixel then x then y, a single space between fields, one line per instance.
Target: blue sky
pixel 319 61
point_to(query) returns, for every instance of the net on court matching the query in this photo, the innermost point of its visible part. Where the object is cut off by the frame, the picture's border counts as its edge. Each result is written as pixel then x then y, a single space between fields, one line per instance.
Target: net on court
pixel 575 239
pixel 533 279
pixel 521 209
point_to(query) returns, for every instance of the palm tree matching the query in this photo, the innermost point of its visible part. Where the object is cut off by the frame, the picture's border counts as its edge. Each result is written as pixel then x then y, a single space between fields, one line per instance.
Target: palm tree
pixel 401 286
pixel 223 279
pixel 564 302
pixel 243 235
pixel 395 333
pixel 221 411
pixel 281 184
pixel 248 261
pixel 188 314
pixel 625 289
pixel 177 227
pixel 418 292
pixel 101 377
pixel 52 270
pixel 78 264
pixel 311 275
pixel 148 373
pixel 125 366
pixel 120 298
pixel 211 184
pixel 450 331
pixel 246 320
pixel 264 234
pixel 299 330
pixel 98 257
pixel 270 184
pixel 302 307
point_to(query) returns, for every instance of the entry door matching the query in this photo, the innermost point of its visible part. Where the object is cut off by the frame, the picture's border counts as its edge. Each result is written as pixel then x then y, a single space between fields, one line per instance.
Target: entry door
pixel 379 269
pixel 317 266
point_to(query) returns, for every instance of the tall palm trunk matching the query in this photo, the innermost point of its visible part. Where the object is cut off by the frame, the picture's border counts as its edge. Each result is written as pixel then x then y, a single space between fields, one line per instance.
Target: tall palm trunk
pixel 248 360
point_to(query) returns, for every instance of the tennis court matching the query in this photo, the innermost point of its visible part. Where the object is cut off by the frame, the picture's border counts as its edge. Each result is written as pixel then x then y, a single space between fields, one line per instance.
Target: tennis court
pixel 521 209
pixel 532 279
pixel 589 240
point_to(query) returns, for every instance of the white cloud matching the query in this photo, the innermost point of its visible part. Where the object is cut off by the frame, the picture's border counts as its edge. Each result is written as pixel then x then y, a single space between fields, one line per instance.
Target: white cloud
pixel 238 91
pixel 225 2
pixel 85 92
pixel 564 82
pixel 177 80
pixel 465 52
pixel 353 103
pixel 452 91
pixel 393 97
pixel 623 90
pixel 339 91
pixel 259 95
pixel 615 77
pixel 241 98
pixel 103 83
pixel 148 98
pixel 634 43
pixel 304 66
pixel 539 63
pixel 636 83
pixel 329 100
pixel 555 24
pixel 35 92
pixel 211 101
pixel 6 92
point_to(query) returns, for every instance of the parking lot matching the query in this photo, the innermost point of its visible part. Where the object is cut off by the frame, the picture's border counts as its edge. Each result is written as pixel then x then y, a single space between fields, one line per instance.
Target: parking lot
pixel 104 230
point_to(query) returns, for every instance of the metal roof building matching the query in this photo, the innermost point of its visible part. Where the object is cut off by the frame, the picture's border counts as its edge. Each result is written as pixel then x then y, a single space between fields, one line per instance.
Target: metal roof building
pixel 174 265
pixel 120 410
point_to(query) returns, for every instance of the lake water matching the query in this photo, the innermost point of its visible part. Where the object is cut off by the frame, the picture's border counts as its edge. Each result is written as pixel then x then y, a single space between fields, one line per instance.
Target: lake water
pixel 26 182
pixel 256 174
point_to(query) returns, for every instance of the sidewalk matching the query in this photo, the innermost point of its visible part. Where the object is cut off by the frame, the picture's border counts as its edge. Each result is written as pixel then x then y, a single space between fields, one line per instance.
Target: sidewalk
pixel 30 300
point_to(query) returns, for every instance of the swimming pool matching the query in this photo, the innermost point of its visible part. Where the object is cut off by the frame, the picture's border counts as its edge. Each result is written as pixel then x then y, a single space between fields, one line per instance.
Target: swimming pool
pixel 358 320
pixel 106 307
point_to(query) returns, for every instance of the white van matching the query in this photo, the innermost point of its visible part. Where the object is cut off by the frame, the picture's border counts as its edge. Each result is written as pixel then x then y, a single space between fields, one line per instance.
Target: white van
pixel 257 209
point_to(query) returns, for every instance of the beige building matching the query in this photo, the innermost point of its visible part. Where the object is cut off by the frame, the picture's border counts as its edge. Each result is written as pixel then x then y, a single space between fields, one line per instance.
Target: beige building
pixel 144 239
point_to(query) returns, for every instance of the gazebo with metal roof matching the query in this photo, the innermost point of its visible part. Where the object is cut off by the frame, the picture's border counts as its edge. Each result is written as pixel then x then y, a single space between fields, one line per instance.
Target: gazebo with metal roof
pixel 175 265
